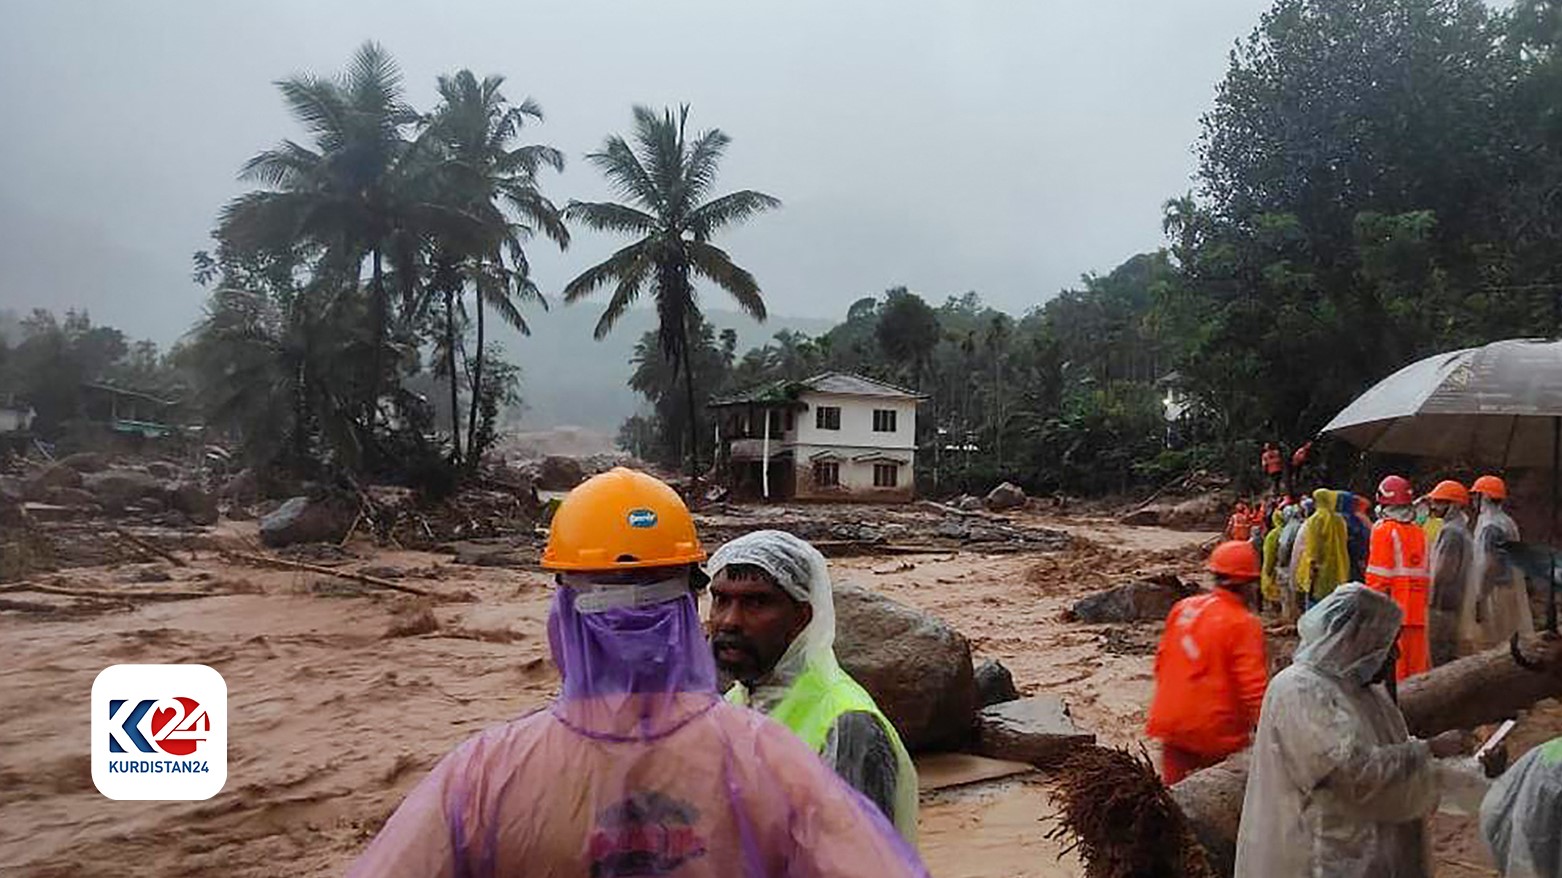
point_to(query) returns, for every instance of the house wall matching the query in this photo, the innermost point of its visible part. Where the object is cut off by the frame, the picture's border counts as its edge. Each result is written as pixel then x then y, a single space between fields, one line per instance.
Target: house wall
pixel 857 423
pixel 14 419
pixel 856 477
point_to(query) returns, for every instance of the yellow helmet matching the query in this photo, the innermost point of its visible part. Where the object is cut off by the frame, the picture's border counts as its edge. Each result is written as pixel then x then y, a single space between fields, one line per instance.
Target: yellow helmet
pixel 621 520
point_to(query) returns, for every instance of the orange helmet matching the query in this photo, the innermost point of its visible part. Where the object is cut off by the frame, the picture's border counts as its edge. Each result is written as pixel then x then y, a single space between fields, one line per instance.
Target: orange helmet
pixel 1450 491
pixel 1235 559
pixel 1491 486
pixel 621 520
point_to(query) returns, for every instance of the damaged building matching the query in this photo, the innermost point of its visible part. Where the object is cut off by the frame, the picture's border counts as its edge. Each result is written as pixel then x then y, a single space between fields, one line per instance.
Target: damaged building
pixel 835 436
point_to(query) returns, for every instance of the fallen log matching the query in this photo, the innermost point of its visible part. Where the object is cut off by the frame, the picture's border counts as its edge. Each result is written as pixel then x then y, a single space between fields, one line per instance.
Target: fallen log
pixel 93 593
pixel 1476 690
pixel 147 547
pixel 364 578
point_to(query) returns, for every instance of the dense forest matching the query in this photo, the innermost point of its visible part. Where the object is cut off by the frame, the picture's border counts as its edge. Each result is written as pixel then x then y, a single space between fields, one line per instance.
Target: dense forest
pixel 1376 180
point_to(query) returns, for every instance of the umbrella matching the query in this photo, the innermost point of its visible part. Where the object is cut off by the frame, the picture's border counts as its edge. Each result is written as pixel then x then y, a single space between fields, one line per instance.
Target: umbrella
pixel 1499 404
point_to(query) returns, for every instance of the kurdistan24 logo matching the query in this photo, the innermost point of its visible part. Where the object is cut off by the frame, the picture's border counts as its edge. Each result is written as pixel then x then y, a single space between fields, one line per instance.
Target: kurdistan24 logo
pixel 159 732
pixel 172 726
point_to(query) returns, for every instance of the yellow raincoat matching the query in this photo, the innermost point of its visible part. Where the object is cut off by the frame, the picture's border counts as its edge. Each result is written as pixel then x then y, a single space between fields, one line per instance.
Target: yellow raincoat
pixel 1269 581
pixel 1325 561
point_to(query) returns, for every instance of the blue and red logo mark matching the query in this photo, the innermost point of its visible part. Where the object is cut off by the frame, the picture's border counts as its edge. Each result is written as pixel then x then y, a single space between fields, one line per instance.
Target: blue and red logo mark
pixel 646 834
pixel 171 726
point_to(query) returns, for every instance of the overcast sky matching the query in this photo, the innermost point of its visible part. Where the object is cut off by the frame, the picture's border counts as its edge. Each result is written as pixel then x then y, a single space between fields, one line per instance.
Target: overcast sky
pixel 1002 146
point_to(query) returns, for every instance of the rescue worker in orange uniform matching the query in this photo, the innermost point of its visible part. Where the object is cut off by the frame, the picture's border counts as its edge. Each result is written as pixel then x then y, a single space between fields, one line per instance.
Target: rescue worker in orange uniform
pixel 1398 566
pixel 1210 670
pixel 1274 466
pixel 1240 525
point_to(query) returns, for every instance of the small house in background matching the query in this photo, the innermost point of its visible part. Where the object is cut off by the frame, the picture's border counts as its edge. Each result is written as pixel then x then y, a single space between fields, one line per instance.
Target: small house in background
pixel 128 413
pixel 835 436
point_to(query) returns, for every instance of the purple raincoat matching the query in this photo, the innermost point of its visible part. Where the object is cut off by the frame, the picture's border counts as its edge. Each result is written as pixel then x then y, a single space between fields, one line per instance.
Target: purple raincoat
pixel 639 769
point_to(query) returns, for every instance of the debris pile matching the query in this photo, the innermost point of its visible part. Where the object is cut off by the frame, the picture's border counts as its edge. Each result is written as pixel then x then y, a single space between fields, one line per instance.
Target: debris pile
pixel 1116 813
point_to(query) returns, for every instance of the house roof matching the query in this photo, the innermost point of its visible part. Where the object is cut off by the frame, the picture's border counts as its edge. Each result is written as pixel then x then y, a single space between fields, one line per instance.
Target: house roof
pixel 842 383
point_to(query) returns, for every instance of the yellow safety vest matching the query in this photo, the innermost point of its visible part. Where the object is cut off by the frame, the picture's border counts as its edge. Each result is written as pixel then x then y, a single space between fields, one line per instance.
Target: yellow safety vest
pixel 820 694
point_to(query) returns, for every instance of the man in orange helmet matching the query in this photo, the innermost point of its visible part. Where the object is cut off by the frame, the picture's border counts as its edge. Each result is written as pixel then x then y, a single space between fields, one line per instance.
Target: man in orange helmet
pixel 1210 670
pixel 1274 467
pixel 1397 567
pixel 1452 554
pixel 639 767
pixel 1497 600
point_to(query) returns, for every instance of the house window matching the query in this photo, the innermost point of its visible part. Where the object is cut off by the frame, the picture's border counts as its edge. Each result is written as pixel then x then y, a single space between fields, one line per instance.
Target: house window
pixel 775 424
pixel 789 424
pixel 886 475
pixel 828 417
pixel 883 420
pixel 827 474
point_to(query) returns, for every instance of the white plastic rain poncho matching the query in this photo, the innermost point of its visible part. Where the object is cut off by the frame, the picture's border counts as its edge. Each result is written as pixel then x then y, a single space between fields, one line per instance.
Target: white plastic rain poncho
pixel 1521 816
pixel 1496 602
pixel 1289 532
pixel 1453 553
pixel 1337 788
pixel 807 690
pixel 638 768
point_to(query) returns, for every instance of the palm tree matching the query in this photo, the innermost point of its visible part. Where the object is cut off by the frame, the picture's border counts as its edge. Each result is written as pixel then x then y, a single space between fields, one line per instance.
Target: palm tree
pixel 665 178
pixel 493 182
pixel 346 198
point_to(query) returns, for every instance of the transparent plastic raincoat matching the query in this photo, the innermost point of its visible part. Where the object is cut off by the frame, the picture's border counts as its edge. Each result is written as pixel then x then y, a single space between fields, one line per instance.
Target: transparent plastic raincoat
pixel 1521 816
pixel 809 692
pixel 1285 566
pixel 1496 603
pixel 1452 555
pixel 1324 562
pixel 639 768
pixel 1337 788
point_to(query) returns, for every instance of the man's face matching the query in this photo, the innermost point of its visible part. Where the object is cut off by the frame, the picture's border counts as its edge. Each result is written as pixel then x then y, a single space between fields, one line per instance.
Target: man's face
pixel 752 622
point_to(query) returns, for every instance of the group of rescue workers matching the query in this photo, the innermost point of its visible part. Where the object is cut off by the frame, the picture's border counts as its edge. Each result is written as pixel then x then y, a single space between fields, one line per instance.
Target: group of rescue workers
pixel 1337 786
pixel 640 767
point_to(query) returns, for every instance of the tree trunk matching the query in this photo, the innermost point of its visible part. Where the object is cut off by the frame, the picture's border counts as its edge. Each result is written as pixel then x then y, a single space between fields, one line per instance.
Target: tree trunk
pixel 379 314
pixel 694 415
pixel 474 453
pixel 450 364
pixel 1463 694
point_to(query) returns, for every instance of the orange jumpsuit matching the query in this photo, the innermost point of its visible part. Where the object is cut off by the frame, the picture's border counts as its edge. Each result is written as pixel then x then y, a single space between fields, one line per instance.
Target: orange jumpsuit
pixel 1210 677
pixel 1398 566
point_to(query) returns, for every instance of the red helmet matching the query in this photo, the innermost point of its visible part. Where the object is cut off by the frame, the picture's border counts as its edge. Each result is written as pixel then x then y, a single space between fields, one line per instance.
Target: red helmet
pixel 1235 559
pixel 1396 491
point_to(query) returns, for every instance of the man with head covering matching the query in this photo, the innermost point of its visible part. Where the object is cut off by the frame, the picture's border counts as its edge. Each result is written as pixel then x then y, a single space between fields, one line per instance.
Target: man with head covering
pixel 772 629
pixel 1397 566
pixel 1496 605
pixel 1324 560
pixel 1452 554
pixel 1336 786
pixel 1210 670
pixel 1521 816
pixel 639 767
pixel 1290 529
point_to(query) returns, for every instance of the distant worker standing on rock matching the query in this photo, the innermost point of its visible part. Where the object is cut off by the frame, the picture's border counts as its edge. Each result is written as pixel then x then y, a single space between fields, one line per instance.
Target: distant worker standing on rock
pixel 1497 602
pixel 639 767
pixel 1453 552
pixel 1397 567
pixel 772 628
pixel 1273 463
pixel 1210 670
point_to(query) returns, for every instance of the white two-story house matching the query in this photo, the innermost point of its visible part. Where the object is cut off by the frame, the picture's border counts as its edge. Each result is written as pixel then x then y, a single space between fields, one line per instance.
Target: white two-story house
pixel 834 436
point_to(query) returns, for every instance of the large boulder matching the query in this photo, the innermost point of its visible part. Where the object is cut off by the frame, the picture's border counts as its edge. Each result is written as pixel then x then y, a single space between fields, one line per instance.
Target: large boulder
pixel 1144 600
pixel 118 488
pixel 1037 730
pixel 916 667
pixel 242 487
pixel 85 462
pixel 55 476
pixel 302 520
pixel 163 470
pixel 1006 496
pixel 75 497
pixel 197 503
pixel 560 473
